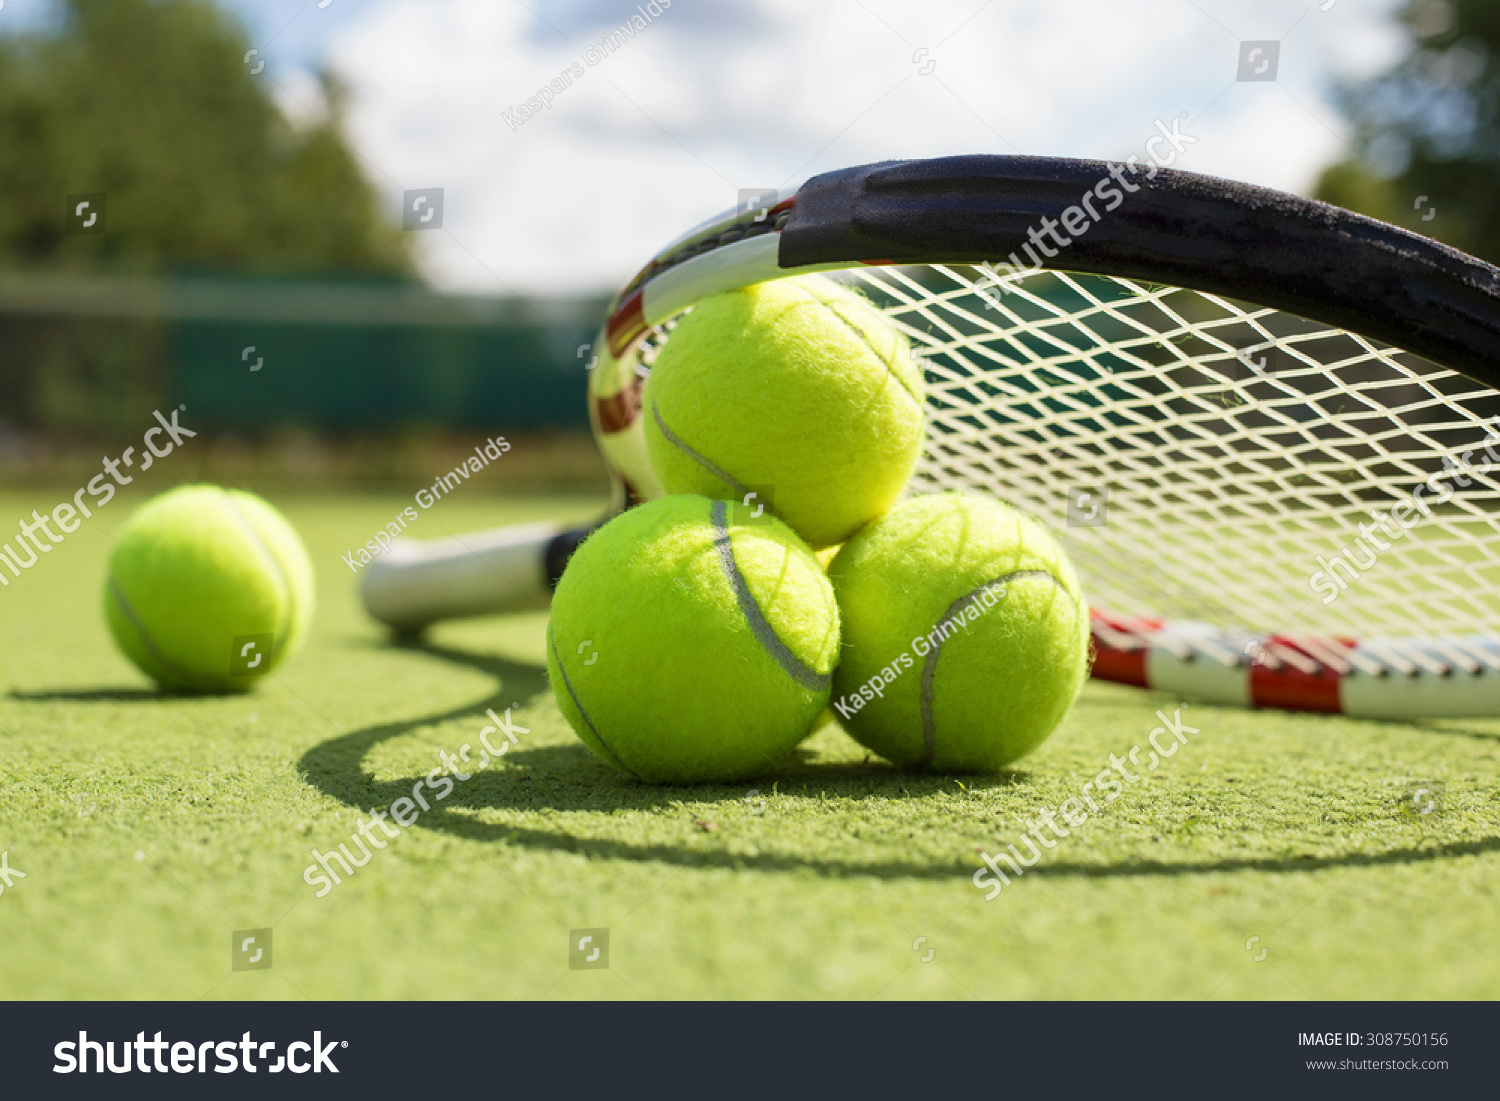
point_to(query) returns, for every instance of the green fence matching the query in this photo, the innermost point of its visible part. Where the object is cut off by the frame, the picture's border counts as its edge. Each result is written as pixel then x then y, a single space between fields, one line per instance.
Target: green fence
pixel 249 353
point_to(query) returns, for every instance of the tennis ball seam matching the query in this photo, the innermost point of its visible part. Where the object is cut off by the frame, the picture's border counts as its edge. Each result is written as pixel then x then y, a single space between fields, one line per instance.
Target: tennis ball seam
pixel 863 337
pixel 764 633
pixel 702 460
pixel 283 582
pixel 583 711
pixel 129 612
pixel 929 665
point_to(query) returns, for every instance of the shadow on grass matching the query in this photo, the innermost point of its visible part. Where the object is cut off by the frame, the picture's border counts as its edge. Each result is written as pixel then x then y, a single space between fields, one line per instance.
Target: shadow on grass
pixel 95 695
pixel 570 778
pixel 1441 727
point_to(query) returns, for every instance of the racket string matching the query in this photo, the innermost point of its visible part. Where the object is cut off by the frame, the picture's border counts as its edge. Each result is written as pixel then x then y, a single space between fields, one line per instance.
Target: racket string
pixel 1242 449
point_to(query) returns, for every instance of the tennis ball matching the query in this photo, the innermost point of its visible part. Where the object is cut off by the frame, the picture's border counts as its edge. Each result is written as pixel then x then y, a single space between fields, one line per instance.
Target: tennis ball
pixel 208 589
pixel 796 390
pixel 691 640
pixel 966 637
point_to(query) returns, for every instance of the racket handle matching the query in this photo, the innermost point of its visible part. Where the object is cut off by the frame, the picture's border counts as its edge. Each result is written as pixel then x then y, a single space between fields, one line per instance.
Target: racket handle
pixel 513 569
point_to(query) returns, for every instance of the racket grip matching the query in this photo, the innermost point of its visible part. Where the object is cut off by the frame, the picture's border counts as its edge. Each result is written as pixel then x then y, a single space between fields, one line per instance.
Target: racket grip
pixel 514 569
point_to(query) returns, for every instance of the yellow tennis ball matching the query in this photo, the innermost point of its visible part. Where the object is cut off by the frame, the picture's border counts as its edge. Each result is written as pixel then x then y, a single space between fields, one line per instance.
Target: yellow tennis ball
pixel 966 636
pixel 797 391
pixel 692 641
pixel 208 589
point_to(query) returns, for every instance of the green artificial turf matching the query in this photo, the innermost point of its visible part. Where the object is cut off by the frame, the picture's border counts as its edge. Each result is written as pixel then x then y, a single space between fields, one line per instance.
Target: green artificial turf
pixel 151 828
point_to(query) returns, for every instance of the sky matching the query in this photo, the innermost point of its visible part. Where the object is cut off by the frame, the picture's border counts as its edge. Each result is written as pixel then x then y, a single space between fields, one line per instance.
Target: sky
pixel 712 96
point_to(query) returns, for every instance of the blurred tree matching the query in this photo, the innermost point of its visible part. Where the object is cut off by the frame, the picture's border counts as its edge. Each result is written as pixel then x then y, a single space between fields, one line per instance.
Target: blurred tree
pixel 152 102
pixel 1428 131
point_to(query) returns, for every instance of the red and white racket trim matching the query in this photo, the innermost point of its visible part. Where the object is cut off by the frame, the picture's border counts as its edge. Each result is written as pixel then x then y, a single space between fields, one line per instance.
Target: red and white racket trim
pixel 1372 678
pixel 751 260
pixel 720 255
pixel 664 288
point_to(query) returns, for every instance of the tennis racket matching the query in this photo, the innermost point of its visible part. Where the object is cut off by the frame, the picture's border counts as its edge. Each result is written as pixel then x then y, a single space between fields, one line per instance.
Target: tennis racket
pixel 1266 429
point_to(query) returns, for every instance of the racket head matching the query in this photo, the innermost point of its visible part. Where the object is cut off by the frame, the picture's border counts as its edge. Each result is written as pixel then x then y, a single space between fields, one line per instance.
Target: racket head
pixel 1206 391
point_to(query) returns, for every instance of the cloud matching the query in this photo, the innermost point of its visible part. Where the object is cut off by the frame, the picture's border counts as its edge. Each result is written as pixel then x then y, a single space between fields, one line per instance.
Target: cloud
pixel 710 98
